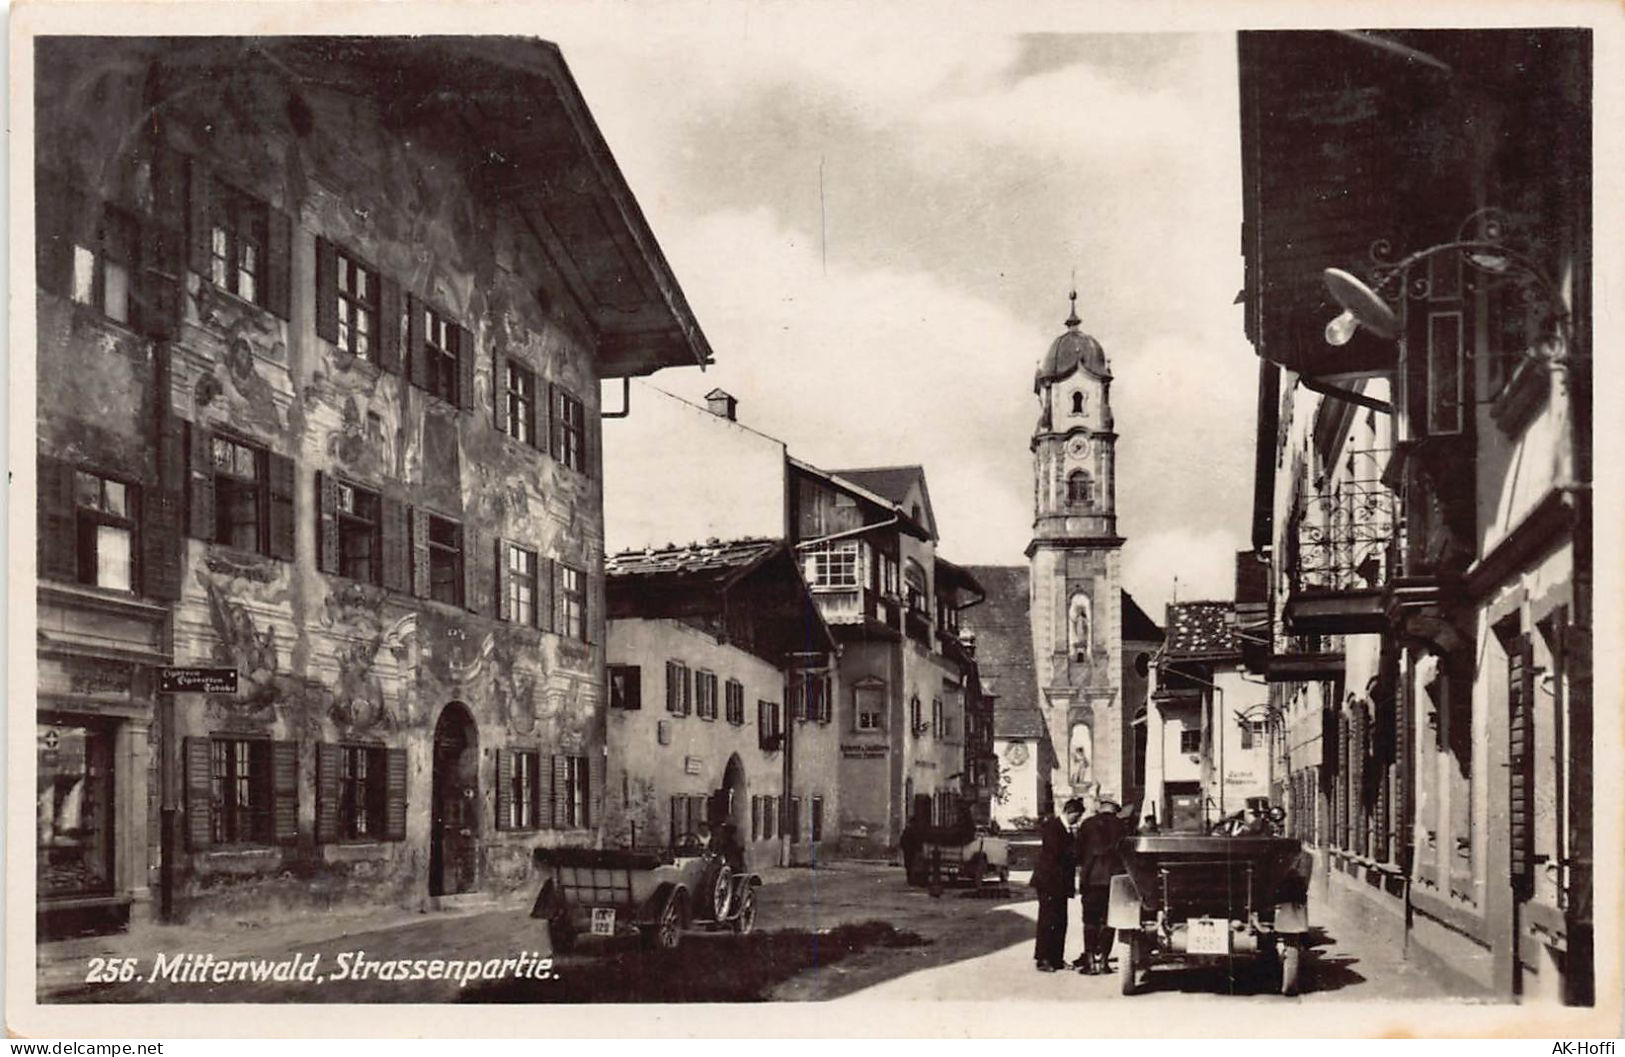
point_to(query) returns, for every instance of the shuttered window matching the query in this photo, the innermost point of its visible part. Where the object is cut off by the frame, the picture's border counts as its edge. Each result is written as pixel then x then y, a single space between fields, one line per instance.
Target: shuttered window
pixel 705 695
pixel 569 429
pixel 734 692
pixel 360 792
pixel 519 789
pixel 769 729
pixel 626 687
pixel 349 530
pixel 1521 763
pixel 240 791
pixel 240 495
pixel 679 698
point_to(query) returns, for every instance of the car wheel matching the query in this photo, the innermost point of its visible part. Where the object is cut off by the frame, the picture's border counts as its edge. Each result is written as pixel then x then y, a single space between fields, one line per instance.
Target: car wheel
pixel 721 885
pixel 1131 968
pixel 1291 965
pixel 975 870
pixel 669 929
pixel 745 920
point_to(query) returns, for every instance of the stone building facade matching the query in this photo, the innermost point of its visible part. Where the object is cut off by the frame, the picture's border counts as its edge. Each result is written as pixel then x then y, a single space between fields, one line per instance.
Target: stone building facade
pixel 318 340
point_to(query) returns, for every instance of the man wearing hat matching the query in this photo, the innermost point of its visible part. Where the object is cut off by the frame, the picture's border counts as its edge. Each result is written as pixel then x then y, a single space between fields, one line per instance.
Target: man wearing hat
pixel 1098 862
pixel 1052 877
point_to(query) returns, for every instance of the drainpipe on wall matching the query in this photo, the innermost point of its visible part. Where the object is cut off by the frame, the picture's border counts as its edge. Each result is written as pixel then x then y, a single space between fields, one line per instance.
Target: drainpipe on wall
pixel 789 770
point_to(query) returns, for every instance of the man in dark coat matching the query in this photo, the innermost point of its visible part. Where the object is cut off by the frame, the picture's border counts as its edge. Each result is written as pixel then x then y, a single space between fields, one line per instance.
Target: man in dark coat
pixel 1098 862
pixel 1052 877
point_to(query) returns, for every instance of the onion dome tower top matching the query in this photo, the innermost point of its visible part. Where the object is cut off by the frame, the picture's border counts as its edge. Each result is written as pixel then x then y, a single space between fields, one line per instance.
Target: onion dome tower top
pixel 1071 349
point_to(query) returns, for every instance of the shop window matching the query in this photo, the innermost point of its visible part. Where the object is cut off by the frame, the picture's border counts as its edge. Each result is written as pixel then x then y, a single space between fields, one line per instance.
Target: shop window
pixel 237 242
pixel 102 271
pixel 734 691
pixel 361 792
pixel 626 687
pixel 73 837
pixel 705 695
pixel 570 430
pixel 240 791
pixel 106 530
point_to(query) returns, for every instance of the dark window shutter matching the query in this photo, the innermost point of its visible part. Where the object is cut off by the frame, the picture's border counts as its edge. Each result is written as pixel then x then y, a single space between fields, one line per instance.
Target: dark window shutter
pixel 200 483
pixel 504 798
pixel 541 411
pixel 196 765
pixel 280 479
pixel 503 611
pixel 634 687
pixel 478 576
pixel 464 341
pixel 279 261
pixel 328 765
pixel 327 524
pixel 199 215
pixel 396 533
pixel 589 439
pixel 556 438
pixel 557 592
pixel 58 553
pixel 595 788
pixel 285 791
pixel 327 290
pixel 545 798
pixel 561 802
pixel 677 807
pixel 763 728
pixel 499 388
pixel 417 370
pixel 395 794
pixel 389 324
pixel 53 238
pixel 420 552
pixel 1520 761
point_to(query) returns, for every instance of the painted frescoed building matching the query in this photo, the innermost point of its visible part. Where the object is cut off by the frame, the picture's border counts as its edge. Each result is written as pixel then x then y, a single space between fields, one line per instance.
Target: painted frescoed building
pixel 319 362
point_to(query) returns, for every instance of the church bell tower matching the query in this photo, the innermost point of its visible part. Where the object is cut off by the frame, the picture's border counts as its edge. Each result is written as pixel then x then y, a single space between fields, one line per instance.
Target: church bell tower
pixel 1075 560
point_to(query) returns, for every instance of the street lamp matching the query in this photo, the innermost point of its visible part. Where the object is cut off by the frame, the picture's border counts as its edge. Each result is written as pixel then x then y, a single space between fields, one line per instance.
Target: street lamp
pixel 1488 253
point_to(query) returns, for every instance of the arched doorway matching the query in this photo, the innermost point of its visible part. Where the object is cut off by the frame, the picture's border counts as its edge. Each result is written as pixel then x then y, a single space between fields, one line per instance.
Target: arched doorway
pixel 732 800
pixel 455 823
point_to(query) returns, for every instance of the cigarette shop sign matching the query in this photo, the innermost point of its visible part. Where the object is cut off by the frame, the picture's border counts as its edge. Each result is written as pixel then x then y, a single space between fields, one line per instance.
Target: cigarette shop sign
pixel 197 680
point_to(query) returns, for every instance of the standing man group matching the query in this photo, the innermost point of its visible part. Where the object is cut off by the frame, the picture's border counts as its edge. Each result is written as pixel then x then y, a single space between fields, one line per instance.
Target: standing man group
pixel 1076 855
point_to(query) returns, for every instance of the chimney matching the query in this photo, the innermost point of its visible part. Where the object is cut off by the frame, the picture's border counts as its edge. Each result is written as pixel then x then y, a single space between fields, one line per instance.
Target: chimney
pixel 722 404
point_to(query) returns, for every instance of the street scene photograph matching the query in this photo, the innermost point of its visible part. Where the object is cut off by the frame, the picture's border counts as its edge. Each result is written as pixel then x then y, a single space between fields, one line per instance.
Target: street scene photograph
pixel 760 507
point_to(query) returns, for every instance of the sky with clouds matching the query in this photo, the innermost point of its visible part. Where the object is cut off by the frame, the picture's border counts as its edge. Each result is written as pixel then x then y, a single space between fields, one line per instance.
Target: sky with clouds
pixel 877 230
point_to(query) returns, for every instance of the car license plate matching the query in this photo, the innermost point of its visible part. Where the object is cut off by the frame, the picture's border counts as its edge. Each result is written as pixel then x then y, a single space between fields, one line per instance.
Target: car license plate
pixel 1207 936
pixel 603 921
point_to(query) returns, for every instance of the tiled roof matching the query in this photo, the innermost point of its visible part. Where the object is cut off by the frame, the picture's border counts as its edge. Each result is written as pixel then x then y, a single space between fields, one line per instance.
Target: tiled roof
pixel 1004 649
pixel 1202 629
pixel 712 563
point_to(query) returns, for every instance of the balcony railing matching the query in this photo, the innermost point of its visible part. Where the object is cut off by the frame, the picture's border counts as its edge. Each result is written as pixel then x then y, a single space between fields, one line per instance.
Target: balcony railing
pixel 1341 538
pixel 856 605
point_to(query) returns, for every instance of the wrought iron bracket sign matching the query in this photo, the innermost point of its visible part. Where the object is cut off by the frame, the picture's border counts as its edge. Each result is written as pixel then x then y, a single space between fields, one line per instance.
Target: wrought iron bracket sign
pixel 197 680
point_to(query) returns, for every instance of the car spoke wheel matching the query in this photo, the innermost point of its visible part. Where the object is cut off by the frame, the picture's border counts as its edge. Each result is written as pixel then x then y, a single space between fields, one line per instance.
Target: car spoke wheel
pixel 669 928
pixel 721 886
pixel 746 919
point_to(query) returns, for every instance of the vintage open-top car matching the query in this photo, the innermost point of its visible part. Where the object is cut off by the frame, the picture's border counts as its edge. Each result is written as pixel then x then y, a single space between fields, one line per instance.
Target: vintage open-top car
pixel 654 894
pixel 944 858
pixel 1201 897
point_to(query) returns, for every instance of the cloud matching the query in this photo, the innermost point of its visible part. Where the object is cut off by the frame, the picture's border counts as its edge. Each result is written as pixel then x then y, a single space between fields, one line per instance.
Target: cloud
pixel 1203 559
